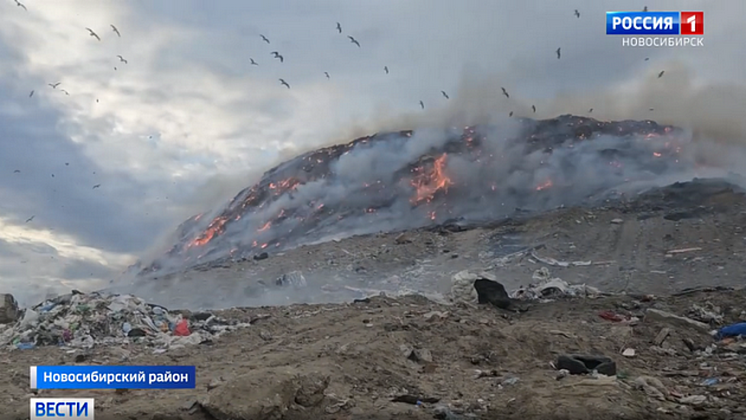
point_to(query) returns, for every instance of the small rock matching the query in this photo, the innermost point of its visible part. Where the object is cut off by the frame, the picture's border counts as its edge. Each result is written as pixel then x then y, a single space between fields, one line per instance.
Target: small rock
pixel 402 239
pixel 628 352
pixel 617 221
pixel 262 256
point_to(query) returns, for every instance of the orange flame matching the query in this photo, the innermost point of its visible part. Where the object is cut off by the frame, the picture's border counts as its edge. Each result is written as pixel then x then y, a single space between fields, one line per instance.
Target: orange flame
pixel 215 227
pixel 547 184
pixel 427 184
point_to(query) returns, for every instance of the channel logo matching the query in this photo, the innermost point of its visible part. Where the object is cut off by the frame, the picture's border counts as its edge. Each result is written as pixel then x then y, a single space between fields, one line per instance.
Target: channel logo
pixel 68 408
pixel 655 23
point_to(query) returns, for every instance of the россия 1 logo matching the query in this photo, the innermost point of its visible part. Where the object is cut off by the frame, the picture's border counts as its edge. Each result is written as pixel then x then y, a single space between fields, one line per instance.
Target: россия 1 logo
pixel 657 29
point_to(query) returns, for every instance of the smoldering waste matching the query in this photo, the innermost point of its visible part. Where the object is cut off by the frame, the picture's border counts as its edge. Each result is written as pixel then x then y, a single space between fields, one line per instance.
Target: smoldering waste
pixel 82 320
pixel 410 179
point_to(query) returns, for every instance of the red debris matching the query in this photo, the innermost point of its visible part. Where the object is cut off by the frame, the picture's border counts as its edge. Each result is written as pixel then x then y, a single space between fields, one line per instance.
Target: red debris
pixel 182 329
pixel 612 316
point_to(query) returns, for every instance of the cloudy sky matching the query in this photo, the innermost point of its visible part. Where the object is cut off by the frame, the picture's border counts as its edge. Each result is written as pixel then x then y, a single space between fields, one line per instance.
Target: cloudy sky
pixel 188 121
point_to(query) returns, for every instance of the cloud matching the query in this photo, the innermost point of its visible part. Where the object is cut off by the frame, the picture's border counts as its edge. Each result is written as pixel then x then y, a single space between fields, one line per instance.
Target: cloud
pixel 188 121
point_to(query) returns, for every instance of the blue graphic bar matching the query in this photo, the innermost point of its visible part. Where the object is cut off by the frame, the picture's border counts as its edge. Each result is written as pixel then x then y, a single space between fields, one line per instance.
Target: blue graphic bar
pixel 643 23
pixel 112 377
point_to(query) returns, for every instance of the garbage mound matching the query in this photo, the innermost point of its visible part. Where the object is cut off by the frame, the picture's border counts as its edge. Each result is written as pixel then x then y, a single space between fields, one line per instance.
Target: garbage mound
pixel 412 179
pixel 80 320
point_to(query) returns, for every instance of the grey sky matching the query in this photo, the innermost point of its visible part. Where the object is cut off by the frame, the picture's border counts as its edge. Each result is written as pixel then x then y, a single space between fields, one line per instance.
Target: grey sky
pixel 188 121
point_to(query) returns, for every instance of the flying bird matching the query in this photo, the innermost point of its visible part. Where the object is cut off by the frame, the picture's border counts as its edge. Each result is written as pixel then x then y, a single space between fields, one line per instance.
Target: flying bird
pixel 577 14
pixel 651 109
pixel 558 53
pixel 339 27
pixel 284 83
pixel 277 55
pixel 66 92
pixel 30 218
pixel 647 58
pixel 17 171
pixel 253 63
pixel 422 105
pixel 661 74
pixel 353 40
pixel 96 186
pixel 114 28
pixel 445 95
pixel 54 85
pixel 122 59
pixel 505 92
pixel 511 114
pixel 327 75
pixel 534 108
pixel 31 94
pixel 19 4
pixel 645 9
pixel 590 110
pixel 386 69
pixel 264 38
pixel 93 34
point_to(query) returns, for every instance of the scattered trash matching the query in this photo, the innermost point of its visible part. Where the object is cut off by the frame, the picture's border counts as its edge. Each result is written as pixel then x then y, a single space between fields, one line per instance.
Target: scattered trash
pixel 294 279
pixel 8 309
pixel 551 288
pixel 711 381
pixel 617 221
pixel 462 287
pixel 85 320
pixel 579 364
pixel 663 316
pixel 562 374
pixel 414 400
pixel 613 316
pixel 683 250
pixel 708 313
pixel 628 352
pixel 733 330
pixel 182 329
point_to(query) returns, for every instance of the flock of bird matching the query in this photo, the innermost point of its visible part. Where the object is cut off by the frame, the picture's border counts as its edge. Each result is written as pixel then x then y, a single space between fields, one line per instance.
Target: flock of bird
pixel 281 58
pixel 93 34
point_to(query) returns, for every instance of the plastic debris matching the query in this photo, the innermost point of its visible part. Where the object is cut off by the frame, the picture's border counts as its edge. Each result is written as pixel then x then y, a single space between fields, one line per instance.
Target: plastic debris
pixel 85 320
pixel 733 330
pixel 548 287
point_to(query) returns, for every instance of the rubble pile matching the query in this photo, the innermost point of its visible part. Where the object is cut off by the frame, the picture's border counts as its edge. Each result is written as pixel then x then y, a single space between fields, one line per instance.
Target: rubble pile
pixel 82 320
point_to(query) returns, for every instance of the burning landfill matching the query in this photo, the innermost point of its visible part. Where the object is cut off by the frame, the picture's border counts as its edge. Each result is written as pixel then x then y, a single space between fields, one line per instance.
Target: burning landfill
pixel 403 180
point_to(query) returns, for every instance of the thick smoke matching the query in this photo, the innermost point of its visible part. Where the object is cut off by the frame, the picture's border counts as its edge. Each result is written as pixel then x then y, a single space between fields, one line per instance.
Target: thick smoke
pixel 398 181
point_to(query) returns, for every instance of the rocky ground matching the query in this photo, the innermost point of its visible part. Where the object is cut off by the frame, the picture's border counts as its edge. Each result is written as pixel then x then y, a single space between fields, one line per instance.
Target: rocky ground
pixel 353 359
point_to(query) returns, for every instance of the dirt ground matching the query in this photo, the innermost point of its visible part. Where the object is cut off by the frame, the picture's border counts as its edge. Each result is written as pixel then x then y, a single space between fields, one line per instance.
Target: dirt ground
pixel 349 361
